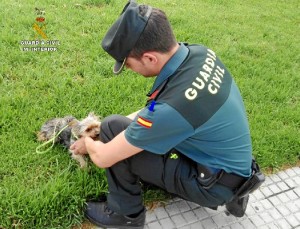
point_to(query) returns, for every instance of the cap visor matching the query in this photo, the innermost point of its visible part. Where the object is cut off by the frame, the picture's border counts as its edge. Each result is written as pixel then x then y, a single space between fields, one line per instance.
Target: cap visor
pixel 119 67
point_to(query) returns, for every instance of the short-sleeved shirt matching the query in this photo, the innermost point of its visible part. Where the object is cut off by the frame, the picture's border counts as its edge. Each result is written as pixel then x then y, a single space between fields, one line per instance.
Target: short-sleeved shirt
pixel 199 112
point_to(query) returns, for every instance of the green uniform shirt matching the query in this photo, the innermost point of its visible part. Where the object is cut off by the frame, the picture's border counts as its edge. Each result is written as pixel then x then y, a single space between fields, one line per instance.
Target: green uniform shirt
pixel 199 112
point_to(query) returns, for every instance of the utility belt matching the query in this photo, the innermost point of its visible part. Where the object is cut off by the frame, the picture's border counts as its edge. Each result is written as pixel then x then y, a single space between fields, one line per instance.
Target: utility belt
pixel 241 186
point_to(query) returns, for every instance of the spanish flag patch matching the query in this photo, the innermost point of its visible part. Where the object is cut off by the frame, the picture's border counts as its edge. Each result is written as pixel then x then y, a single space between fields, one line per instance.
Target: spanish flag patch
pixel 144 122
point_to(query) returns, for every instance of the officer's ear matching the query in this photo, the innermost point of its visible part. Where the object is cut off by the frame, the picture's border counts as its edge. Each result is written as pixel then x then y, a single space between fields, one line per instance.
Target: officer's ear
pixel 150 58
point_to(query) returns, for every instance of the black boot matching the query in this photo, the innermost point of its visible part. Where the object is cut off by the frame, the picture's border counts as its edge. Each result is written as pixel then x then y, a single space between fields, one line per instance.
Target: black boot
pixel 99 214
pixel 237 207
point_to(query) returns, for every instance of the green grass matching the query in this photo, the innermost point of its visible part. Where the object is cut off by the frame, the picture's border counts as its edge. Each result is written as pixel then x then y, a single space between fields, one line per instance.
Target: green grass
pixel 257 40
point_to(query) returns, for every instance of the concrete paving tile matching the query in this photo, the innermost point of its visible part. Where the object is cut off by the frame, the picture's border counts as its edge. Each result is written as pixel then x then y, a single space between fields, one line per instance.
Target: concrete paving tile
pixel 297 215
pixel 247 224
pixel 292 220
pixel 274 188
pixel 292 195
pixel 274 200
pixel 266 217
pixel 150 216
pixel 273 226
pixel 257 220
pixel 296 170
pixel 172 209
pixel 297 180
pixel 189 216
pixel 179 221
pixel 208 224
pixel 197 225
pixel 283 197
pixel 160 213
pixel 167 223
pixel 283 210
pixel 268 181
pixel 266 204
pixel 275 178
pixel 282 223
pixel 283 186
pixel 235 226
pixel 283 175
pixel 275 213
pixel 154 225
pixel 292 207
pixel 291 183
pixel 222 219
pixel 193 205
pixel 258 194
pixel 297 191
pixel 291 172
pixel 201 213
pixel 258 207
pixel 266 191
pixel 186 227
pixel 276 204
pixel 183 206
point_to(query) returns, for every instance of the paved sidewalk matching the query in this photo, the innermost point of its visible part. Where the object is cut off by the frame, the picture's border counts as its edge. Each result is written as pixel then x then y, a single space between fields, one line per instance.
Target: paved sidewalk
pixel 275 205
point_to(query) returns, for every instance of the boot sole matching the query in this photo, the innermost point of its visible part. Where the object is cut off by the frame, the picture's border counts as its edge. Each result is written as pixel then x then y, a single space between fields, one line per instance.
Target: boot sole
pixel 113 226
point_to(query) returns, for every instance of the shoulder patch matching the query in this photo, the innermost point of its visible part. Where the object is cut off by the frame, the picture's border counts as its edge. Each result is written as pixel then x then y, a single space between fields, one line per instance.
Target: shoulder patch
pixel 144 122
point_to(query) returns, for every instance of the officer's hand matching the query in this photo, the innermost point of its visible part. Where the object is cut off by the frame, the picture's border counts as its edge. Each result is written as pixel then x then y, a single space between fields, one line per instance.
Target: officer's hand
pixel 79 146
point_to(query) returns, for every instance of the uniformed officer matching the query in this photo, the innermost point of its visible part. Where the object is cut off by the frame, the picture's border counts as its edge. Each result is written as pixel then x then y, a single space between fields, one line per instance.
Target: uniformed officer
pixel 192 138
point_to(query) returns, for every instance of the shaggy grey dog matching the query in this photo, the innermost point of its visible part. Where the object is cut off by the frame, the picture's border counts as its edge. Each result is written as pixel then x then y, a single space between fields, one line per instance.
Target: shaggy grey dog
pixel 67 130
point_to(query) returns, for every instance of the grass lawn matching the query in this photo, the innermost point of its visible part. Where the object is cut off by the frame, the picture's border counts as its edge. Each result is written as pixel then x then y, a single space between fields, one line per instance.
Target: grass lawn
pixel 257 40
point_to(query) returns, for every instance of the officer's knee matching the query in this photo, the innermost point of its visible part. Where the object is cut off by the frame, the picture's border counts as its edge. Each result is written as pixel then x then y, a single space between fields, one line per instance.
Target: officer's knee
pixel 114 121
pixel 112 125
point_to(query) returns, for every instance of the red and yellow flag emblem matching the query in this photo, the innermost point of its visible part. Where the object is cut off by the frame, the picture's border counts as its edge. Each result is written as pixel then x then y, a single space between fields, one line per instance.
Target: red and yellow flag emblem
pixel 144 122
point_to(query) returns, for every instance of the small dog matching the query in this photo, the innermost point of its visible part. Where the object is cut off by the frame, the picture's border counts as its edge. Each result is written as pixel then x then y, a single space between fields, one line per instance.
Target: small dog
pixel 69 129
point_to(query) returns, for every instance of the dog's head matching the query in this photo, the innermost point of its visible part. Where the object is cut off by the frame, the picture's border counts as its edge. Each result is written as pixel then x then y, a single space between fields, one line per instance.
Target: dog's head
pixel 88 127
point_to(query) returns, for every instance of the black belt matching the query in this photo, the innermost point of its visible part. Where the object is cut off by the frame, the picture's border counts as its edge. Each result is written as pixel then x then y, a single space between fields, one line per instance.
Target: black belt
pixel 208 178
pixel 231 180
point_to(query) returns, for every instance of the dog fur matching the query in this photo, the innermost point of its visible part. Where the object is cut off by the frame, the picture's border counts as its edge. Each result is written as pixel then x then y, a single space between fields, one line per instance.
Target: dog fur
pixel 70 129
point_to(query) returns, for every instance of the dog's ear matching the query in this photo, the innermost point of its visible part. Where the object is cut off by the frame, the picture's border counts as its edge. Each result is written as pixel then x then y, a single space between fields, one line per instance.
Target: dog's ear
pixel 76 128
pixel 92 115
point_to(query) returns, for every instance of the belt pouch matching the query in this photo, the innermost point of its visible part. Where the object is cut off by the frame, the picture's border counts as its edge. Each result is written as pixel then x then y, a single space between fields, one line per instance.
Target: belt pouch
pixel 253 183
pixel 206 177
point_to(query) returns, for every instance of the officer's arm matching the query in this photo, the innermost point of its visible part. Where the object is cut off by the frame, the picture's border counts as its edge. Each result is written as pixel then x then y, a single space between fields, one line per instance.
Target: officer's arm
pixel 105 155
